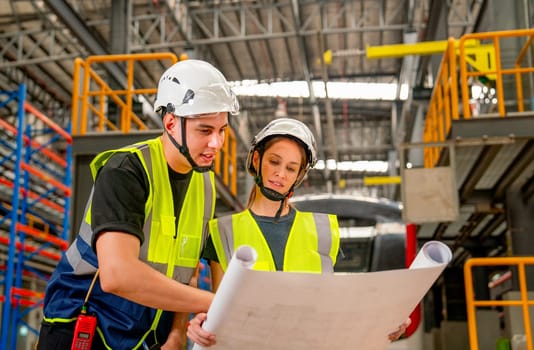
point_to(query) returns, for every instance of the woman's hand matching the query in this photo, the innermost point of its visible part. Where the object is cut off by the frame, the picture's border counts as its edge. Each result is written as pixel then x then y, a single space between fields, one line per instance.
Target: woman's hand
pixel 402 328
pixel 197 334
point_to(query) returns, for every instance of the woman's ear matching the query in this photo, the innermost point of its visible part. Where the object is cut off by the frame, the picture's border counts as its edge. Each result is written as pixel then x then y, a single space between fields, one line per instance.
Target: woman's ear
pixel 256 160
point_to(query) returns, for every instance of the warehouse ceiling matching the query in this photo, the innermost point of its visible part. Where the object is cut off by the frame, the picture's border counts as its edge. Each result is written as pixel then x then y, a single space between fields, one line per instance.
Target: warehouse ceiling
pixel 265 41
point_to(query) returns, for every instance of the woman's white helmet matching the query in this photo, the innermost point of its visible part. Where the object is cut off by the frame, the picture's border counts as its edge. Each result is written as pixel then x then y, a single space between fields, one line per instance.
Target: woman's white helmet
pixel 193 87
pixel 293 129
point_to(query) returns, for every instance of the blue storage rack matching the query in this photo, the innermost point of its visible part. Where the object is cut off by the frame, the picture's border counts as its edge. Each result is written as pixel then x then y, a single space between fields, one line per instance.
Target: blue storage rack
pixel 37 180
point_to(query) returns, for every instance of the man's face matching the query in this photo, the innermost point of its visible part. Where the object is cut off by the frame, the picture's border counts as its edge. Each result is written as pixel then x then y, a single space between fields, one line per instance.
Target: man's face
pixel 205 136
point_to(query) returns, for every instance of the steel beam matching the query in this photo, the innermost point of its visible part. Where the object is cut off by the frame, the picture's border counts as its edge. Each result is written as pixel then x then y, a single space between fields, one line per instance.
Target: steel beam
pixel 79 29
pixel 421 48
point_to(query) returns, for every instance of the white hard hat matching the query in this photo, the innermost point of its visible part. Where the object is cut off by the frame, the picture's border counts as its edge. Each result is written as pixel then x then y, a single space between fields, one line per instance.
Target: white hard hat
pixel 293 129
pixel 193 87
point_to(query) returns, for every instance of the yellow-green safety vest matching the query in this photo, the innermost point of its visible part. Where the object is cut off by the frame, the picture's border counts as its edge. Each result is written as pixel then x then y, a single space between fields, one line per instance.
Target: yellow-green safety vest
pixel 312 244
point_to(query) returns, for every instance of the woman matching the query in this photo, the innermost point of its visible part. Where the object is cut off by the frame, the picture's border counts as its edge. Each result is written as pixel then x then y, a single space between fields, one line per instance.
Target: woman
pixel 279 157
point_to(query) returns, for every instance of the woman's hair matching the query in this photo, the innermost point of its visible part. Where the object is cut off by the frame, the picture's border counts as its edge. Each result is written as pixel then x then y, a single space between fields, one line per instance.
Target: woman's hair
pixel 264 146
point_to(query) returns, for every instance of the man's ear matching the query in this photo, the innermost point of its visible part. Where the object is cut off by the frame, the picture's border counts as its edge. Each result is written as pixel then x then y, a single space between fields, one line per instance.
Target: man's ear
pixel 169 121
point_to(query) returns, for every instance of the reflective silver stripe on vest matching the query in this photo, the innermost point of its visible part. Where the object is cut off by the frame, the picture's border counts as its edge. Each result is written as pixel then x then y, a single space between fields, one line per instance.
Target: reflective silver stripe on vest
pixel 80 266
pixel 324 241
pixel 143 252
pixel 208 204
pixel 226 232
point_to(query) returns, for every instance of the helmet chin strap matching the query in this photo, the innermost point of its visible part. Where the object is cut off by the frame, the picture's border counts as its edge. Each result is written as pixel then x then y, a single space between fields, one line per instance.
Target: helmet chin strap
pixel 185 151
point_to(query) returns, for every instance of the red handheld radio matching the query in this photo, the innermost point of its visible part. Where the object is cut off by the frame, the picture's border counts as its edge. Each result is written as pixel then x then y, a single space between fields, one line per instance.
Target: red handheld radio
pixel 85 327
pixel 84 331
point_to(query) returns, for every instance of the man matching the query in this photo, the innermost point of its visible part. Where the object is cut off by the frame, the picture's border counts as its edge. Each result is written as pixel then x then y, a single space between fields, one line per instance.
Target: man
pixel 145 224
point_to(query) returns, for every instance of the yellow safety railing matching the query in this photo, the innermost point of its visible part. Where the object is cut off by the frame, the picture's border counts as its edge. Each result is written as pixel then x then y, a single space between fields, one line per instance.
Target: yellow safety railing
pixel 446 104
pixel 472 302
pixel 91 96
pixel 226 162
pixel 443 104
pixel 91 93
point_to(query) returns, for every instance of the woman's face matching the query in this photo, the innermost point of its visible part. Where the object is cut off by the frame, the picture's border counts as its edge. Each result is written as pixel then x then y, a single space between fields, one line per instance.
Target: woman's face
pixel 281 165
